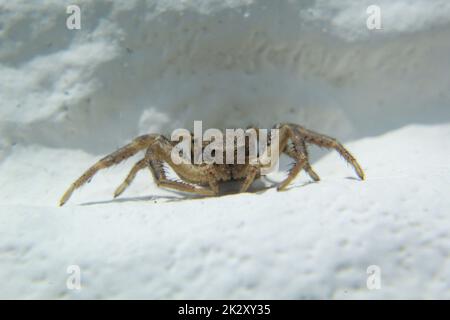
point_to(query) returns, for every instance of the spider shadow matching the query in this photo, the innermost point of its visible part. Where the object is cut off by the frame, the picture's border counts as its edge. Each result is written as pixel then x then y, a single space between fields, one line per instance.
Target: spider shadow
pixel 228 189
pixel 275 183
pixel 166 198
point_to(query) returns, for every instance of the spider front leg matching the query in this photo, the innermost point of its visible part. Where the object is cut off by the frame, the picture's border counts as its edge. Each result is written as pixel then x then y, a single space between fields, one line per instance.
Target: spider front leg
pixel 143 163
pixel 251 175
pixel 162 181
pixel 161 152
pixel 308 167
pixel 137 167
pixel 155 165
pixel 116 157
pixel 299 165
pixel 331 143
pixel 301 160
pixel 292 152
pixel 185 187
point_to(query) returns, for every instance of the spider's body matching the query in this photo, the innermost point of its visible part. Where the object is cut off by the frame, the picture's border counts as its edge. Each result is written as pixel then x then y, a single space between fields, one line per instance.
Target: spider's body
pixel 204 178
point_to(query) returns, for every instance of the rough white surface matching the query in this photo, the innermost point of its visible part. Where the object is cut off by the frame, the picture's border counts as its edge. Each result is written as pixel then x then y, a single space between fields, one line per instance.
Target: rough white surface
pixel 69 97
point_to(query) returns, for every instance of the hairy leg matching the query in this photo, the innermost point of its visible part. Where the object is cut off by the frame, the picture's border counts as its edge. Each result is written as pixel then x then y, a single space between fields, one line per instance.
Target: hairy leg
pixel 116 157
pixel 185 187
pixel 286 134
pixel 249 179
pixel 162 181
pixel 158 155
pixel 291 152
pixel 137 167
pixel 299 165
pixel 328 142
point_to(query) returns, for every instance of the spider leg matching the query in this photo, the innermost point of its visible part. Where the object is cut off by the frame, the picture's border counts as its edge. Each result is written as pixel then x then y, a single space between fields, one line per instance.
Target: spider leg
pixel 137 167
pixel 159 153
pixel 249 179
pixel 299 165
pixel 286 134
pixel 143 163
pixel 181 186
pixel 328 142
pixel 291 152
pixel 162 181
pixel 116 157
pixel 158 172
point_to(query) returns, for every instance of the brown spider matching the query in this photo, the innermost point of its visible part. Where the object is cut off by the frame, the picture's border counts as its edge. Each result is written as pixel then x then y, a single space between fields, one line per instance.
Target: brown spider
pixel 204 178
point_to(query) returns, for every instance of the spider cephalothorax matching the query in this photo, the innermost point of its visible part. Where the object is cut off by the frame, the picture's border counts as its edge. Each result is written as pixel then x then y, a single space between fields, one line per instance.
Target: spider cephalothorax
pixel 204 178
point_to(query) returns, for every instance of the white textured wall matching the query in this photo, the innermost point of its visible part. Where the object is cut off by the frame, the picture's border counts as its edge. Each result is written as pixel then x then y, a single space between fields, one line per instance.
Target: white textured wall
pixel 146 66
